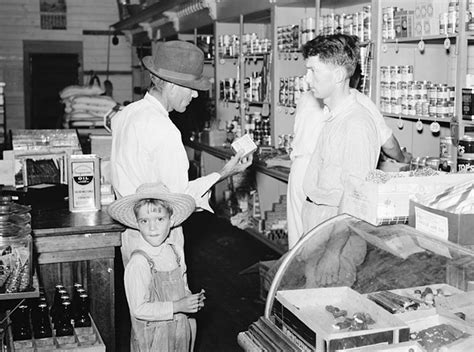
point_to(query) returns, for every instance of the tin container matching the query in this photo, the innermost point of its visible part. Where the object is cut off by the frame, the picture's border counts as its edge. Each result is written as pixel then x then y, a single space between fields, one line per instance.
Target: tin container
pixel 465 164
pixel 433 163
pixel 447 149
pixel 466 146
pixel 447 165
pixel 407 73
pixel 84 183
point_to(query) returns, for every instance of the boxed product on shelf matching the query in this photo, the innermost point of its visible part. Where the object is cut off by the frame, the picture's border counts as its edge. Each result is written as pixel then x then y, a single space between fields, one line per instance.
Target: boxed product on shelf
pixel 308 316
pixel 387 201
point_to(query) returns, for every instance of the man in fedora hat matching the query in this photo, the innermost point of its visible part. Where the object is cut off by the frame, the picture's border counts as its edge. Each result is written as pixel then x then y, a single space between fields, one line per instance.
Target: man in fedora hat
pixel 147 146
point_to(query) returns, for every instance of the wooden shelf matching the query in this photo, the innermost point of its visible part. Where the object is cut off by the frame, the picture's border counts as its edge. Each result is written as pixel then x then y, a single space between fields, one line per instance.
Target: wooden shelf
pixel 22 295
pixel 416 118
pixel 251 103
pixel 429 38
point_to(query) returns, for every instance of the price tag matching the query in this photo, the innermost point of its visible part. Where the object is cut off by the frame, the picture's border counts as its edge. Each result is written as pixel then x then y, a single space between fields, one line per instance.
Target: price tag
pixel 435 127
pixel 421 46
pixel 447 43
pixel 419 126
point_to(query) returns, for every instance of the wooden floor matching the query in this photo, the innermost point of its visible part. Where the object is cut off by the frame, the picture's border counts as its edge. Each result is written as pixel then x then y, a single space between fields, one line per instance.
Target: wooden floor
pixel 216 253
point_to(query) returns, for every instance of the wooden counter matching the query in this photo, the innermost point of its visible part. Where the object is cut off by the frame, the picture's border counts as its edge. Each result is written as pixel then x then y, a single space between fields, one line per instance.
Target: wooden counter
pixel 279 172
pixel 271 182
pixel 80 247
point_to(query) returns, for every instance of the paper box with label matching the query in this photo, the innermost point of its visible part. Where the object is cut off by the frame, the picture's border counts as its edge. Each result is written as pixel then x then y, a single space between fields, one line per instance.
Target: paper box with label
pixel 388 203
pixel 457 228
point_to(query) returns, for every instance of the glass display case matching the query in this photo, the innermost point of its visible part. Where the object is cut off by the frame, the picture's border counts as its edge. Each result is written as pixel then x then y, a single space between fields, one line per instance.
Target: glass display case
pixel 403 281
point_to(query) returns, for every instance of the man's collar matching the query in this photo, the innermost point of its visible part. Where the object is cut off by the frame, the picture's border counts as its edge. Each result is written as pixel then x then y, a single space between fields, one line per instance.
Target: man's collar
pixel 341 106
pixel 155 102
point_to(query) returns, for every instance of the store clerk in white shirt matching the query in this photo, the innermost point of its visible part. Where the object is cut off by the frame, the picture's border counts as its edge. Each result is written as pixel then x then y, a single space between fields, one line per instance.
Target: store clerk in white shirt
pixel 147 146
pixel 309 120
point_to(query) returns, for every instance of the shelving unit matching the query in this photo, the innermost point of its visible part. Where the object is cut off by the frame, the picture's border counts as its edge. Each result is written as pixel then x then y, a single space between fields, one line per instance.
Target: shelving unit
pixel 418 118
pixel 443 60
pixel 237 18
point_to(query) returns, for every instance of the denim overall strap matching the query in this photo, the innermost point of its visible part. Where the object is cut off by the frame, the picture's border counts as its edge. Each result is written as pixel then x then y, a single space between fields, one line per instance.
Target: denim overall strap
pixel 167 336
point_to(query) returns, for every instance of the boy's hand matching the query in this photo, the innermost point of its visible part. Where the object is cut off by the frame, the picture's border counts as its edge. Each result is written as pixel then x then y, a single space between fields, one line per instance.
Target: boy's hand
pixel 189 304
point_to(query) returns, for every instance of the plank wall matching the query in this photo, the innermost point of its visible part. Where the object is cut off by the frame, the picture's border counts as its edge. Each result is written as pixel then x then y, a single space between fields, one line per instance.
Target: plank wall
pixel 20 20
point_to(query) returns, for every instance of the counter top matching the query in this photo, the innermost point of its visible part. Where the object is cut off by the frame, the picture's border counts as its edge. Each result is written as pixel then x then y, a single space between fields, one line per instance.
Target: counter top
pixel 279 172
pixel 47 222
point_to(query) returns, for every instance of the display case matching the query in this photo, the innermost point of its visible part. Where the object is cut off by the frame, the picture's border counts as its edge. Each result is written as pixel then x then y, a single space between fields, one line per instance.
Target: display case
pixel 301 301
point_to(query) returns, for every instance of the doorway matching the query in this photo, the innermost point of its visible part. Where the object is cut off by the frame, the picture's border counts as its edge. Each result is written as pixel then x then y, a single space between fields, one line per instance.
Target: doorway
pixel 50 73
pixel 49 66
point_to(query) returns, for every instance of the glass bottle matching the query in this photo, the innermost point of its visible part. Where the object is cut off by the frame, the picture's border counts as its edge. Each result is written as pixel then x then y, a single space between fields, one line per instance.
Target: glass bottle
pixel 78 290
pixel 58 292
pixel 82 319
pixel 21 323
pixel 41 325
pixel 64 326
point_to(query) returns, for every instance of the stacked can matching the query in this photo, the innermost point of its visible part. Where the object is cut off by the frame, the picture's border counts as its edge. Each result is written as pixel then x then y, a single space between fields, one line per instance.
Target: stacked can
pixel 252 44
pixel 291 89
pixel 470 15
pixel 228 89
pixel 358 23
pixel 400 94
pixel 447 154
pixel 228 45
pixel 308 30
pixel 394 86
pixel 449 21
pixel 288 38
pixel 261 128
pixel 388 27
pixel 465 161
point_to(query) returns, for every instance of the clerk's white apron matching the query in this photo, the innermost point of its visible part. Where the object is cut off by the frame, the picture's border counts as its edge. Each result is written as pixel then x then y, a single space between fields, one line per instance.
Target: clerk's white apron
pixel 296 198
pixel 308 124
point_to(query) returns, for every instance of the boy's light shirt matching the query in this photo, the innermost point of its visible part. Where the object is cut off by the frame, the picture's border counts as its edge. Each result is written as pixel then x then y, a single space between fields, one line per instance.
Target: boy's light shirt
pixel 138 277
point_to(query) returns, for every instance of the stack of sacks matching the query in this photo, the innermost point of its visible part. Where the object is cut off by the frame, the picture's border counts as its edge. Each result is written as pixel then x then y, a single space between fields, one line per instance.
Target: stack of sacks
pixel 85 106
pixel 457 199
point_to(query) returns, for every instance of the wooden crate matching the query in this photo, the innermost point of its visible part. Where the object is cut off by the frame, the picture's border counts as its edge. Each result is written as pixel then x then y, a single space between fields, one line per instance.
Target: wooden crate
pixel 303 315
pixel 84 340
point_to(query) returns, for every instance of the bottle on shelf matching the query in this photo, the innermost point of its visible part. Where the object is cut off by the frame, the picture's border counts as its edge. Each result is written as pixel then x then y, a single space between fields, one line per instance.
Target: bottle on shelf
pixel 60 292
pixel 41 324
pixel 75 296
pixel 63 326
pixel 21 323
pixel 82 318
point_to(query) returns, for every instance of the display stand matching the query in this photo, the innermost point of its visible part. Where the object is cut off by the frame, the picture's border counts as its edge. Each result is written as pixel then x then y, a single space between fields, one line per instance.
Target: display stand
pixel 398 256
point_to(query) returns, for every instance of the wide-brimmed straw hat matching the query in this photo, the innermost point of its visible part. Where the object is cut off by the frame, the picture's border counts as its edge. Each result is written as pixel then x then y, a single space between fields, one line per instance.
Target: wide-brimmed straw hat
pixel 182 204
pixel 178 62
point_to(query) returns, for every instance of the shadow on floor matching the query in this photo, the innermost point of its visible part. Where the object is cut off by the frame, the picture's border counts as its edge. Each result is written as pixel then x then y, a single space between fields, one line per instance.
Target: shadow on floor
pixel 216 252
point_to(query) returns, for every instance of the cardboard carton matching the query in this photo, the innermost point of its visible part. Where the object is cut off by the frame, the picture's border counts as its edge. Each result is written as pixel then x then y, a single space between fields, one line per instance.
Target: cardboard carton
pixel 447 226
pixel 388 203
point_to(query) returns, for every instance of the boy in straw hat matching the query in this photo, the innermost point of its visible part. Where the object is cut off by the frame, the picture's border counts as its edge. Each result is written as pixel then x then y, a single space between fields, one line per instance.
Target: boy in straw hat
pixel 147 146
pixel 155 277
